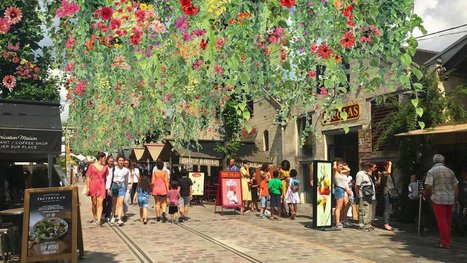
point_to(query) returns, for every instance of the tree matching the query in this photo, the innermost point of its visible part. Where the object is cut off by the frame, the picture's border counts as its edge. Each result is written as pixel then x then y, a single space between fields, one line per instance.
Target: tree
pixel 24 63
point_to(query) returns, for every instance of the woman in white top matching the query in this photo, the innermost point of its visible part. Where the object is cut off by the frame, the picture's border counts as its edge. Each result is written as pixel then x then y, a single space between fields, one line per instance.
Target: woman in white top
pixel 117 188
pixel 134 174
pixel 341 187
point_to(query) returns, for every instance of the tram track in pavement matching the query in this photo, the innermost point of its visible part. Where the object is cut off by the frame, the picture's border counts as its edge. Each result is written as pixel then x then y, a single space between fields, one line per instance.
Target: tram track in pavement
pixel 145 258
pixel 131 244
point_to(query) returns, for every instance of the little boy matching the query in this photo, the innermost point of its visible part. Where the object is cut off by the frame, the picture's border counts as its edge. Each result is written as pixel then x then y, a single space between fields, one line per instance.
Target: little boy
pixel 172 198
pixel 275 188
pixel 264 193
pixel 185 188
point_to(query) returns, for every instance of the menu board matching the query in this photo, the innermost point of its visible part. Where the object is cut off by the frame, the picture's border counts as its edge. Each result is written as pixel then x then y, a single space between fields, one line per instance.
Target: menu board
pixel 198 183
pixel 50 224
pixel 322 199
pixel 229 191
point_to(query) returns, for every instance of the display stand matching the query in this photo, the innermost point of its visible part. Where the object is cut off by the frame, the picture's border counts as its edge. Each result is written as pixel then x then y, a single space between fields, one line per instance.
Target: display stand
pixel 229 191
pixel 322 197
pixel 46 209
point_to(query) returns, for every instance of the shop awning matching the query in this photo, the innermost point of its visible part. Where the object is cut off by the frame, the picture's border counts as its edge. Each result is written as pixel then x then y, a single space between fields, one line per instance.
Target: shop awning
pixel 154 150
pixel 249 151
pixel 140 154
pixel 29 130
pixel 456 128
pixel 203 154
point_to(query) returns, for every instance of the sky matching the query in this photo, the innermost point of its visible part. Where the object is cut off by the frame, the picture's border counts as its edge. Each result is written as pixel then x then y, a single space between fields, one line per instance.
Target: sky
pixel 439 15
pixel 436 14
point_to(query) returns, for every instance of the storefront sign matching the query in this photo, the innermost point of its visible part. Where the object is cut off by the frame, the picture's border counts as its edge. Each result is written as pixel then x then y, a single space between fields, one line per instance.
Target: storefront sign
pixel 352 112
pixel 322 199
pixel 51 224
pixel 229 192
pixel 198 183
pixel 199 161
pixel 26 141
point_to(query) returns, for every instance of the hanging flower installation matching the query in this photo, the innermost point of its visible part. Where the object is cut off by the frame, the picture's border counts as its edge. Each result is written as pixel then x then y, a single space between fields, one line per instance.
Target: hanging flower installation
pixel 173 65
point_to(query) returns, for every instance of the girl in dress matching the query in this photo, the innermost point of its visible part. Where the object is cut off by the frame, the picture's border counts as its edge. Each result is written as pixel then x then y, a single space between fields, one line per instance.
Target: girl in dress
pixel 291 196
pixel 95 181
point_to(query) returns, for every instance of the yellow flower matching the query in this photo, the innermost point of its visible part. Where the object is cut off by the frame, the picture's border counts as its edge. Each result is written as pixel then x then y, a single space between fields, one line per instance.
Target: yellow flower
pixel 23 61
pixel 143 6
pixel 150 7
pixel 117 45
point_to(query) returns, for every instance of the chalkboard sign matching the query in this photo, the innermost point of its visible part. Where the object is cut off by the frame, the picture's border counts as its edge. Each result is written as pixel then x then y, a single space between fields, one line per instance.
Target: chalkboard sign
pixel 420 187
pixel 51 225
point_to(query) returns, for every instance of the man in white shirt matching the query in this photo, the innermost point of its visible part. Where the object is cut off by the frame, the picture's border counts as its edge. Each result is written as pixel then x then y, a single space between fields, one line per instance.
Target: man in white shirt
pixel 118 188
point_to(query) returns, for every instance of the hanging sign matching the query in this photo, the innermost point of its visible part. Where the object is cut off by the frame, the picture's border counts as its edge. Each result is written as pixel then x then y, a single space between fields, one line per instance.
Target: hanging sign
pixel 352 112
pixel 51 225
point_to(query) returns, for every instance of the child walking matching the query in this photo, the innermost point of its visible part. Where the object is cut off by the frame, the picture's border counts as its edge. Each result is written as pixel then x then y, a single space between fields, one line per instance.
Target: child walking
pixel 173 197
pixel 142 197
pixel 291 197
pixel 275 190
pixel 263 190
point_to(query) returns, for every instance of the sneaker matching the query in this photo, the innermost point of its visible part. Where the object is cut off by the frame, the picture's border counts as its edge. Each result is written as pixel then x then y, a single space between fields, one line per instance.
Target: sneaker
pixel 120 222
pixel 180 219
pixel 185 218
pixel 164 218
pixel 112 220
pixel 366 229
pixel 339 226
pixel 262 217
pixel 347 224
pixel 158 218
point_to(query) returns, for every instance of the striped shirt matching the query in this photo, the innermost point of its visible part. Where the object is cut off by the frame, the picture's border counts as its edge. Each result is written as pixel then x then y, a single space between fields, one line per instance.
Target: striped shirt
pixel 444 183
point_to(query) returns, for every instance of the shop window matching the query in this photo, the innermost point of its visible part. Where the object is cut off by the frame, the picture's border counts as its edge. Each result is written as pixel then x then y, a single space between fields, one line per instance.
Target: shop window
pixel 378 113
pixel 266 140
pixel 307 147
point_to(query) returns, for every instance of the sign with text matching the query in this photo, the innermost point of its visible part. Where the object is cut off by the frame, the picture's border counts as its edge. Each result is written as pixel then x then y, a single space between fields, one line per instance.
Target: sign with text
pixel 26 141
pixel 198 183
pixel 50 224
pixel 229 191
pixel 352 112
pixel 322 199
pixel 199 161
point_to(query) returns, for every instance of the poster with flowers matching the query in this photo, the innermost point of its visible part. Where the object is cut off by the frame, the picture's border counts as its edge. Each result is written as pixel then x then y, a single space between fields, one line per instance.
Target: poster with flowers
pixel 322 198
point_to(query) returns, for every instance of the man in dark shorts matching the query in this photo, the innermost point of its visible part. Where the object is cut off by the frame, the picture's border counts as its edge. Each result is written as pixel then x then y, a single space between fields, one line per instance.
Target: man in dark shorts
pixel 185 185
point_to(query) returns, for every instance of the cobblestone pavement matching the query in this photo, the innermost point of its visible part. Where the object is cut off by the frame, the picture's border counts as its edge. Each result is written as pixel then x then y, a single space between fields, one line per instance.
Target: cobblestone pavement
pixel 210 237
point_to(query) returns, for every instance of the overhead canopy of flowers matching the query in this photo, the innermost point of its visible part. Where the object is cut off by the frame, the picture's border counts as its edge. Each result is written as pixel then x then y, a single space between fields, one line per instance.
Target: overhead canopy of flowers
pixel 133 67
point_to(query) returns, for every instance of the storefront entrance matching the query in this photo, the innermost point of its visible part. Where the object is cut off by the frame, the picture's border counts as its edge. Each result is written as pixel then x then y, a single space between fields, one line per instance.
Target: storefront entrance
pixel 344 146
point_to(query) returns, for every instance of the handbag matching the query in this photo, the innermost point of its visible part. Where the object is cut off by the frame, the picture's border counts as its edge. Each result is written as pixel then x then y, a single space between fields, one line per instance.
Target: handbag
pixel 367 190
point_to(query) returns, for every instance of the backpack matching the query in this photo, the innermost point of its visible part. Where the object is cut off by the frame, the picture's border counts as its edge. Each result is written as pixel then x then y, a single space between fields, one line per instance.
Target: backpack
pixel 295 185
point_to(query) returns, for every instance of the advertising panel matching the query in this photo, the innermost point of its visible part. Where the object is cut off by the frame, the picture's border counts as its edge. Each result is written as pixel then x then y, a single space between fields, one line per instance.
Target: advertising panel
pixel 198 183
pixel 322 198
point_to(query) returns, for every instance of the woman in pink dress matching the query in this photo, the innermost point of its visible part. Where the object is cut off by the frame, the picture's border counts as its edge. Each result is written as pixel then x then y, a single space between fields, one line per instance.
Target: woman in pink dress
pixel 95 180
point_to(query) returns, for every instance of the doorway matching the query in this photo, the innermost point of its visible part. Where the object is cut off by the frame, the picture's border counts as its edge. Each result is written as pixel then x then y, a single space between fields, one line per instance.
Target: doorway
pixel 345 146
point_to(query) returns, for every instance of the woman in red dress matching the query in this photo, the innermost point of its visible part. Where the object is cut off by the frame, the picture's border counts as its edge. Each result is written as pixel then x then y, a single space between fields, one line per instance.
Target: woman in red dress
pixel 95 180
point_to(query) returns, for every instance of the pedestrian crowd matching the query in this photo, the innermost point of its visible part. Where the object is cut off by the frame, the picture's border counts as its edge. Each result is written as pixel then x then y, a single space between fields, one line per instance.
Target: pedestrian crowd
pixel 114 187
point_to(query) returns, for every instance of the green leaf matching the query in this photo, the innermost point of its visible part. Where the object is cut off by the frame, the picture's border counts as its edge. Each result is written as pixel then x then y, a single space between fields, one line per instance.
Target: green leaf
pixel 406 60
pixel 246 115
pixel 417 73
pixel 346 129
pixel 418 86
pixel 343 115
pixel 419 111
pixel 421 124
pixel 414 102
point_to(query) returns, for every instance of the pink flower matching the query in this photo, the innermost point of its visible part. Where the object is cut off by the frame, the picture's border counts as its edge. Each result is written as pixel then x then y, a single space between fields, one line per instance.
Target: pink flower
pixel 365 39
pixel 9 81
pixel 37 69
pixel 218 69
pixel 273 39
pixel 119 103
pixel 13 48
pixel 66 9
pixel 187 37
pixel 199 32
pixel 69 67
pixel 140 15
pixel 312 74
pixel 279 31
pixel 197 65
pixel 14 14
pixel 106 13
pixel 4 25
pixel 80 88
pixel 70 42
pixel 220 42
pixel 182 24
pixel 115 24
pixel 323 91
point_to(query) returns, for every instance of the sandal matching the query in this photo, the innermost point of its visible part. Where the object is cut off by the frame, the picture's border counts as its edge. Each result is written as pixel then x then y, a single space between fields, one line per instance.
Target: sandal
pixel 441 246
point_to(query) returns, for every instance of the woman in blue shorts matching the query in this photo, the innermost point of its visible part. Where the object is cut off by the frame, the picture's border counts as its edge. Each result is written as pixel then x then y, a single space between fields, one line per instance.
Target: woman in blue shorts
pixel 341 187
pixel 142 196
